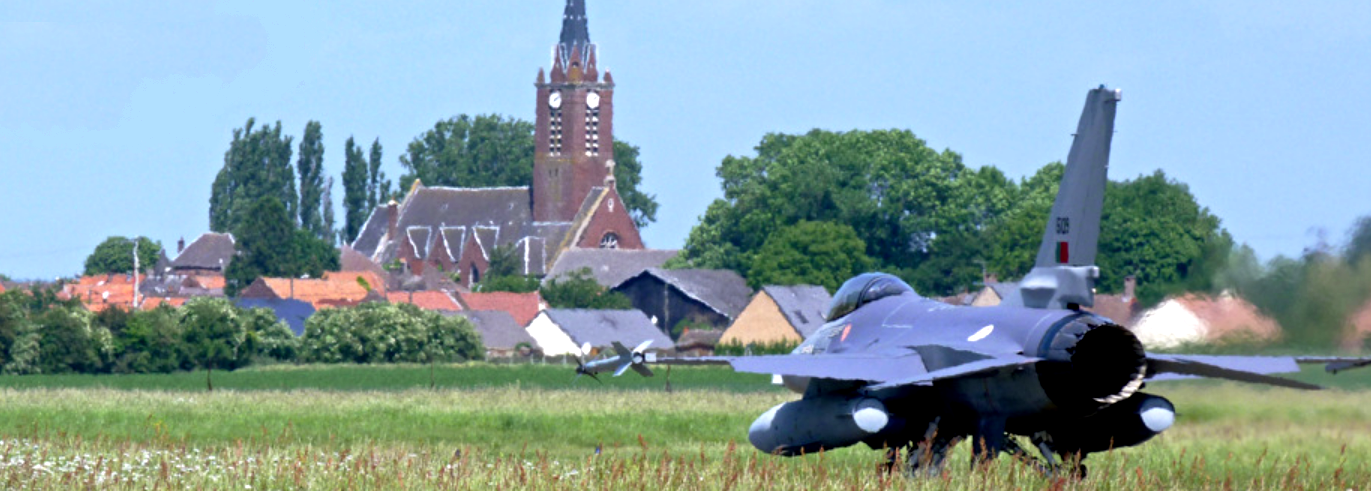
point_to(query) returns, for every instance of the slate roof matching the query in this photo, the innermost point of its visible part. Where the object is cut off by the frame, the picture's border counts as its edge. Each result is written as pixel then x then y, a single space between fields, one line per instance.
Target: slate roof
pixel 294 312
pixel 439 220
pixel 1004 289
pixel 209 251
pixel 522 306
pixel 802 305
pixel 498 329
pixel 719 289
pixel 601 328
pixel 351 260
pixel 609 267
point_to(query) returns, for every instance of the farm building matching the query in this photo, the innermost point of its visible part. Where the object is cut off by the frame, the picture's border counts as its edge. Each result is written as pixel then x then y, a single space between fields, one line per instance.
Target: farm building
pixel 521 306
pixel 501 335
pixel 609 267
pixel 563 331
pixel 208 254
pixel 779 314
pixel 701 296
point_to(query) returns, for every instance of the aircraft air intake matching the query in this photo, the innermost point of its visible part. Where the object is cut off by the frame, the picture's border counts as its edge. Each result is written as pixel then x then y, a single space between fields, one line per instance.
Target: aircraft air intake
pixel 1093 365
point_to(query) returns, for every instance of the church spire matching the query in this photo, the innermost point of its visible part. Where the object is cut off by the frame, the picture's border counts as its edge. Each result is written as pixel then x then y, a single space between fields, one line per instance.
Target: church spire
pixel 575 32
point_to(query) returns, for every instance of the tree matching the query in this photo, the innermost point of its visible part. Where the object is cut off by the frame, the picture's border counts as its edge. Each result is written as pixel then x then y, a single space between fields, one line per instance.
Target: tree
pixel 579 290
pixel 149 343
pixel 490 150
pixel 269 245
pixel 265 338
pixel 378 187
pixel 331 230
pixel 900 196
pixel 379 332
pixel 358 200
pixel 69 343
pixel 627 177
pixel 810 253
pixel 115 255
pixel 1153 228
pixel 212 335
pixel 310 166
pixel 256 165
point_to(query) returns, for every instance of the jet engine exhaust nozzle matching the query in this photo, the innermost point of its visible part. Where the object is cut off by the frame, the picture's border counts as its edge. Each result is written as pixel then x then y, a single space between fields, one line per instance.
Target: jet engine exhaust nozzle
pixel 1107 364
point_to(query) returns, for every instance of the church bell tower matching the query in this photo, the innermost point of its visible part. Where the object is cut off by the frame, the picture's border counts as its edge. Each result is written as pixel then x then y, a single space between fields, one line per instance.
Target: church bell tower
pixel 574 143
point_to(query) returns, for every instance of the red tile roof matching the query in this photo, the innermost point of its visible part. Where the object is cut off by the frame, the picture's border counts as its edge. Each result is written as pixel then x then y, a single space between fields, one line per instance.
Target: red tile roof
pixel 150 303
pixel 101 291
pixel 522 306
pixel 326 292
pixel 208 282
pixel 1227 315
pixel 373 280
pixel 427 300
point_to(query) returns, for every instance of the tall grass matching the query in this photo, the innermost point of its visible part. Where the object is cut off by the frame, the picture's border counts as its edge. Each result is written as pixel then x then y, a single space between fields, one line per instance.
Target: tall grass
pixel 1226 437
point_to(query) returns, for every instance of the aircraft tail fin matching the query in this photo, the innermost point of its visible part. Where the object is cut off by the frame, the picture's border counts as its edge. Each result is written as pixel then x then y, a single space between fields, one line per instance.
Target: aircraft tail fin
pixel 1073 229
pixel 1064 273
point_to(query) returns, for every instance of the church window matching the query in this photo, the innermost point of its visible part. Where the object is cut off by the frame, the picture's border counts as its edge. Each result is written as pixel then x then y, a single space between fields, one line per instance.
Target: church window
pixel 475 275
pixel 592 124
pixel 555 131
pixel 609 241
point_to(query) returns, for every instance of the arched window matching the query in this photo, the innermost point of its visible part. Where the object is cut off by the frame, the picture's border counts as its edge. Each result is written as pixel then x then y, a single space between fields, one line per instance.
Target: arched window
pixel 609 241
pixel 475 275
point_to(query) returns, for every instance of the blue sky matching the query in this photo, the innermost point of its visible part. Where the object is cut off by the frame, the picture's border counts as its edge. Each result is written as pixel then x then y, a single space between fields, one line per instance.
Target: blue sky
pixel 114 117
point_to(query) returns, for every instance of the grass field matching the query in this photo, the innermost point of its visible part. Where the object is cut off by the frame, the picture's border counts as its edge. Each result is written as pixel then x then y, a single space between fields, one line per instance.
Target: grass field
pixel 353 429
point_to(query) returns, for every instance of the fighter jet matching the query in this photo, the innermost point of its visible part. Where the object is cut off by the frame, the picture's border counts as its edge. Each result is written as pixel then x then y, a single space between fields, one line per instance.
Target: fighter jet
pixel 895 370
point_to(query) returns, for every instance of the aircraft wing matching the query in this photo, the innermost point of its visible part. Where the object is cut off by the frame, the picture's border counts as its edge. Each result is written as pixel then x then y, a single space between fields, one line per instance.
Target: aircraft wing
pixel 1251 369
pixel 868 367
pixel 885 371
pixel 1334 364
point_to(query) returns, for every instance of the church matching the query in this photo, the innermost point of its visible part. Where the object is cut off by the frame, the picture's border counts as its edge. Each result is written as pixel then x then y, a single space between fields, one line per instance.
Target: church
pixel 572 202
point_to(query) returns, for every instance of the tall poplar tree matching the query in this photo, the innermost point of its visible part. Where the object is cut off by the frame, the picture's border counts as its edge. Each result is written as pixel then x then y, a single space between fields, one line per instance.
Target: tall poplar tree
pixel 357 200
pixel 310 166
pixel 256 165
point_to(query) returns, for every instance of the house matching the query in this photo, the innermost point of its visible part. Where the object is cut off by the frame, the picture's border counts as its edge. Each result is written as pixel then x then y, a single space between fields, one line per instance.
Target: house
pixel 698 342
pixel 779 314
pixel 1122 309
pixel 335 289
pixel 502 336
pixel 293 312
pixel 522 306
pixel 1201 319
pixel 100 292
pixel 207 255
pixel 572 202
pixel 713 297
pixel 351 260
pixel 563 331
pixel 428 300
pixel 609 267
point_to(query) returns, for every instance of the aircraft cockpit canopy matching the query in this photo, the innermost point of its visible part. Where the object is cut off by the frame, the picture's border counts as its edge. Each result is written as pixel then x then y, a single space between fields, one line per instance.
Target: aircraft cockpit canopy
pixel 864 289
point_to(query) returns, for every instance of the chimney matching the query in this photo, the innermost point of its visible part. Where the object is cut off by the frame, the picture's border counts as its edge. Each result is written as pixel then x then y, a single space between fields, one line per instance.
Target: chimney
pixel 181 245
pixel 1130 285
pixel 392 219
pixel 990 279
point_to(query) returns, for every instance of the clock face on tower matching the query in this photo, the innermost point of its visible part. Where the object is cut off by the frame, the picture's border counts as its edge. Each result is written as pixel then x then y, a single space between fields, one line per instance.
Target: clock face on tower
pixel 593 100
pixel 555 100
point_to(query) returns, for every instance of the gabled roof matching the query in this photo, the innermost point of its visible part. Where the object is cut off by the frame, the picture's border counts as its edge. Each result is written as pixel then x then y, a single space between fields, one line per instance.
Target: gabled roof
pixel 418 239
pixel 1003 289
pixel 504 208
pixel 294 312
pixel 802 305
pixel 373 280
pixel 699 338
pixel 719 289
pixel 522 306
pixel 427 300
pixel 498 329
pixel 1116 308
pixel 603 327
pixel 351 260
pixel 209 251
pixel 609 267
pixel 335 291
